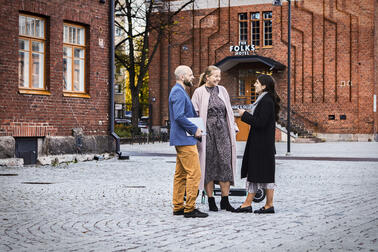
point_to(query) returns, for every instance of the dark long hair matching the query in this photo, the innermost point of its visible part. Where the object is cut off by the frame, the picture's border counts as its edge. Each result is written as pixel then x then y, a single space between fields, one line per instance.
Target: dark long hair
pixel 269 83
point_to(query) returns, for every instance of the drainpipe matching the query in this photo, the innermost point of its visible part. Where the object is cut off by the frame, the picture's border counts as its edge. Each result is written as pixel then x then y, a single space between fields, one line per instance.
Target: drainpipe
pixel 111 80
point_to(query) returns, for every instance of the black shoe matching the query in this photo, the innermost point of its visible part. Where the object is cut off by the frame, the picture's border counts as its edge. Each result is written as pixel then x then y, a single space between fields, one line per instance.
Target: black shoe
pixel 195 214
pixel 264 211
pixel 225 204
pixel 212 206
pixel 179 212
pixel 240 209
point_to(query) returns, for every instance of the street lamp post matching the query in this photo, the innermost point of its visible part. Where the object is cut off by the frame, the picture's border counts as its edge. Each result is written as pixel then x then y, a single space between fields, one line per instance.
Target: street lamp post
pixel 278 2
pixel 288 75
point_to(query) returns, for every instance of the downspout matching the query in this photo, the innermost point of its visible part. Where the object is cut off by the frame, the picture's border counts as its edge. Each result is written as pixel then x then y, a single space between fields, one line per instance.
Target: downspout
pixel 111 80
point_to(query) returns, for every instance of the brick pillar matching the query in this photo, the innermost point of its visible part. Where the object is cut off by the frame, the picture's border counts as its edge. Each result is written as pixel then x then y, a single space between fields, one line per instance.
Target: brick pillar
pixel 375 115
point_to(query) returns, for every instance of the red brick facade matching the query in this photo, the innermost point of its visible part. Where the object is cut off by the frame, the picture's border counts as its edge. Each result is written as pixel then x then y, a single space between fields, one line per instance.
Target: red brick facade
pixel 333 60
pixel 54 114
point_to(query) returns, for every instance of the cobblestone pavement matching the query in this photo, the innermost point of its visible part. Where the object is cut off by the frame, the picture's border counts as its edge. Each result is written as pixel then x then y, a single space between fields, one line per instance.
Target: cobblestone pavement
pixel 116 205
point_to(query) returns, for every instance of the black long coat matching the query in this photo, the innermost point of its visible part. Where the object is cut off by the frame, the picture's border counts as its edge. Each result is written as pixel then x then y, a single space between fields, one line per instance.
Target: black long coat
pixel 258 159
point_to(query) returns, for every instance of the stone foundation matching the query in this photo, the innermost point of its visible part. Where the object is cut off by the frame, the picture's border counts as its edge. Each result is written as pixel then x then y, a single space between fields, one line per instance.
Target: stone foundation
pixel 346 137
pixel 73 148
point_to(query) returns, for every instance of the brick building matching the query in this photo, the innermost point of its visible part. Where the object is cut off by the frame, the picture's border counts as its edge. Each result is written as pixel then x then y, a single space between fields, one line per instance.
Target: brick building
pixel 334 59
pixel 54 73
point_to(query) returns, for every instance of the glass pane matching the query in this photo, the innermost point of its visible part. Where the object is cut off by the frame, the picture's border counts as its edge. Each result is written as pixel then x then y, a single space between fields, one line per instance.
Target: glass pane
pixel 67 74
pixel 38 28
pixel 255 15
pixel 37 70
pixel 73 35
pixel 42 33
pixel 82 75
pixel 22 25
pixel 23 69
pixel 80 36
pixel 78 53
pixel 253 94
pixel 78 75
pixel 243 16
pixel 241 87
pixel 66 34
pixel 37 46
pixel 32 20
pixel 267 14
pixel 28 27
pixel 70 35
pixel 23 44
pixel 67 51
pixel 32 26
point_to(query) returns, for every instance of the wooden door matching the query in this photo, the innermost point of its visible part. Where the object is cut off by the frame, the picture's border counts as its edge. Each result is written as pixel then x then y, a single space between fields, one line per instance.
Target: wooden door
pixel 250 98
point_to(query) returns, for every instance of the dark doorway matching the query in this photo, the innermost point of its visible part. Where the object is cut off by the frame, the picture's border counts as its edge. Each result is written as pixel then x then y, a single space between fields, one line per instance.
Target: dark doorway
pixel 27 148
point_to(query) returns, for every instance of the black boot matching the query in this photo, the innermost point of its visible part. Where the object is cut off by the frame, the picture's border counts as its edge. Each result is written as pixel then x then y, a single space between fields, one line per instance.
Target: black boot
pixel 212 205
pixel 225 204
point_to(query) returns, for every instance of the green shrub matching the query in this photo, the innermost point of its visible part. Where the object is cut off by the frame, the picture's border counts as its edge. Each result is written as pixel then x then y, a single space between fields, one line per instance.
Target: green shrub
pixel 122 130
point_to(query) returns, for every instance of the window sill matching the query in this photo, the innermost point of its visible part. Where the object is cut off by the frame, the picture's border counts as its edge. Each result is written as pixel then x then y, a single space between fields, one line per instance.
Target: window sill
pixel 78 95
pixel 34 92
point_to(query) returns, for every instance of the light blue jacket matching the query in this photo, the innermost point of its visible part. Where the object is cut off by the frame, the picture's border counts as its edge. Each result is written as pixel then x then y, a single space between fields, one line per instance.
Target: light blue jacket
pixel 180 108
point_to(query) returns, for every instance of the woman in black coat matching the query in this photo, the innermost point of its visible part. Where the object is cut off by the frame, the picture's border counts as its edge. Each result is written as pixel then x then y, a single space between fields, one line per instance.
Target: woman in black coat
pixel 259 156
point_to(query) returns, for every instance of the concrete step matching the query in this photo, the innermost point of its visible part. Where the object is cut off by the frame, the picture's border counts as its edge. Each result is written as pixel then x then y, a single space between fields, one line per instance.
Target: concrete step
pixel 308 140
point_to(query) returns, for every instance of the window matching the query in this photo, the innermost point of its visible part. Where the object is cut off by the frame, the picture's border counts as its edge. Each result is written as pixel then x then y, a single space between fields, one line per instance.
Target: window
pixel 255 28
pixel 241 87
pixel 253 93
pixel 74 59
pixel 118 31
pixel 31 54
pixel 243 27
pixel 119 113
pixel 118 88
pixel 267 28
pixel 261 29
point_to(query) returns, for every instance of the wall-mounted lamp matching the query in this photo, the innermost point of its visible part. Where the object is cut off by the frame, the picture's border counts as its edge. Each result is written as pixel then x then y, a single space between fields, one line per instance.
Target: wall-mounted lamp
pixel 102 1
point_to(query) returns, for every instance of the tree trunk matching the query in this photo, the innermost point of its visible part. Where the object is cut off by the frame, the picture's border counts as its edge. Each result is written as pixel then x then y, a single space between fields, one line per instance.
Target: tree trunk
pixel 135 112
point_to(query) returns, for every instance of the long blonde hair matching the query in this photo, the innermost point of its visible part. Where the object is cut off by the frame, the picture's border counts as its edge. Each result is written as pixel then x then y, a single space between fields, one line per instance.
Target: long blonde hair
pixel 203 76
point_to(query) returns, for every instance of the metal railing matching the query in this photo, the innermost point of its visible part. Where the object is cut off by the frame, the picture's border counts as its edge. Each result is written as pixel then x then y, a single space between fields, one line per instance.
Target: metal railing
pixel 145 138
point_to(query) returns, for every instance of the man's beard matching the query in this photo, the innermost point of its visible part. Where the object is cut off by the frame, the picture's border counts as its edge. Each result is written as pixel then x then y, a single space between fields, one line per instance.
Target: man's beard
pixel 188 83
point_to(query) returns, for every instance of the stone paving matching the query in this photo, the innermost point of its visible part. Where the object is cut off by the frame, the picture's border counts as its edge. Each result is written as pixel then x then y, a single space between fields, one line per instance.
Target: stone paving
pixel 115 205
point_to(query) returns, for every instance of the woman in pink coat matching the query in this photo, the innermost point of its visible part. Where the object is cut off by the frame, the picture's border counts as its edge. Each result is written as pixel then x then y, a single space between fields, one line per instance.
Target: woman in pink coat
pixel 217 151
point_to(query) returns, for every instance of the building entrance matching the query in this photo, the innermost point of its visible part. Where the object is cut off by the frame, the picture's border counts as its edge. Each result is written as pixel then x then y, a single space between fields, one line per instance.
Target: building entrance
pixel 247 95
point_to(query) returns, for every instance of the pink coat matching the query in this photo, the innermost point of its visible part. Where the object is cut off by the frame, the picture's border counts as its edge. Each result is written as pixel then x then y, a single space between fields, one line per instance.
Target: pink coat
pixel 200 100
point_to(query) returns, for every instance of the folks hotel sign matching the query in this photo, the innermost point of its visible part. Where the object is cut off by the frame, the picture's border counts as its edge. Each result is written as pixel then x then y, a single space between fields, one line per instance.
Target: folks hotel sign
pixel 242 49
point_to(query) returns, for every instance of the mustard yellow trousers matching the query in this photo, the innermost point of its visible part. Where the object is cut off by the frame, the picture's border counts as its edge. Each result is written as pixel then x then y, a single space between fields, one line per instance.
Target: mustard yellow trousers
pixel 187 177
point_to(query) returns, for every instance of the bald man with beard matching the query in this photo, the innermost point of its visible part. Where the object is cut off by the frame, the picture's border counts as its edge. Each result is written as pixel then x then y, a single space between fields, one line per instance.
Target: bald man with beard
pixel 188 172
